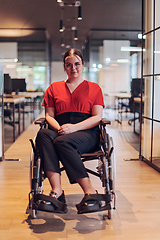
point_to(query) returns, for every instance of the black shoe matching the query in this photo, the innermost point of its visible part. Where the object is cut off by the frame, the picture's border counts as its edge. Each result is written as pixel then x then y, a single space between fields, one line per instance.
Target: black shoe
pixel 53 204
pixel 93 203
pixel 61 198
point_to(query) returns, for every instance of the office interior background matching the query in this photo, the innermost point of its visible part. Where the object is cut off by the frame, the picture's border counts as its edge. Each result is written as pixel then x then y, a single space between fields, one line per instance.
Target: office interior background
pixel 34 37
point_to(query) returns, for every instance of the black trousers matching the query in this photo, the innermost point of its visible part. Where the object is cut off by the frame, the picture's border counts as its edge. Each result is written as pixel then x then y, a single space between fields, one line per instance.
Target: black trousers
pixel 67 149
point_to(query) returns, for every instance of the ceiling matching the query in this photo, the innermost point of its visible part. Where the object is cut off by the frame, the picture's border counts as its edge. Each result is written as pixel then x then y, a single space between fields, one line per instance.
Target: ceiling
pixel 30 20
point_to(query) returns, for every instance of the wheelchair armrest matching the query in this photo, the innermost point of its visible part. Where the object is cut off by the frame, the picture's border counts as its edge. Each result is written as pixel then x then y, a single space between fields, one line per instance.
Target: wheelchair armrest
pixel 40 121
pixel 105 122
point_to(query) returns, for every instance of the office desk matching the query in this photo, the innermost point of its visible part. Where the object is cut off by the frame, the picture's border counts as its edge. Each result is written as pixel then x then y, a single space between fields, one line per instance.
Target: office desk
pixel 31 97
pixel 120 97
pixel 13 101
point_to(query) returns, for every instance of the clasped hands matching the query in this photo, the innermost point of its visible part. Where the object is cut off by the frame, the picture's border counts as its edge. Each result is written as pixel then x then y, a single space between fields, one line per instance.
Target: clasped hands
pixel 67 128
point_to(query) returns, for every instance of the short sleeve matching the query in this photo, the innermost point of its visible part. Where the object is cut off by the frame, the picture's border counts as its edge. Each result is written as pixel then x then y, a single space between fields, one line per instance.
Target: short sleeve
pixel 48 98
pixel 99 97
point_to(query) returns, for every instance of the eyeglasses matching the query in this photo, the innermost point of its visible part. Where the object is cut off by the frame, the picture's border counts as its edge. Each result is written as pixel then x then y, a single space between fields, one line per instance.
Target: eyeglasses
pixel 70 65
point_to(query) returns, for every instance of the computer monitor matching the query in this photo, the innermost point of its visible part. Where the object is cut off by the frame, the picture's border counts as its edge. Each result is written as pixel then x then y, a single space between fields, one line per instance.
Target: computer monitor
pixel 18 85
pixel 7 84
pixel 136 87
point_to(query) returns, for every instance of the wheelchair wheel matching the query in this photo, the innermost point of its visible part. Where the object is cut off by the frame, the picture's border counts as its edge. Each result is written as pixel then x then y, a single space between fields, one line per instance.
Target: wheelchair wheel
pixel 107 184
pixel 36 183
pixel 112 169
pixel 109 214
pixel 108 169
pixel 111 164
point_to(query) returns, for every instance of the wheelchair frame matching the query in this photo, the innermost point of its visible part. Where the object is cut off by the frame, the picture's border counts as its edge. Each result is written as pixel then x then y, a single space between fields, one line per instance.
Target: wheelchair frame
pixel 105 169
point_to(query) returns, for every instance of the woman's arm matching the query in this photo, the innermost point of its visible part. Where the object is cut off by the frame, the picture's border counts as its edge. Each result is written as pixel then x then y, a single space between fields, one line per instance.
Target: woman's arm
pixel 94 120
pixel 49 115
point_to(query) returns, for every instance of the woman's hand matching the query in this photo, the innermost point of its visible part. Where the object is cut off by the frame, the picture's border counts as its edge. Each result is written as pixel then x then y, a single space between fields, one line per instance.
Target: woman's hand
pixel 66 129
pixel 88 123
pixel 50 114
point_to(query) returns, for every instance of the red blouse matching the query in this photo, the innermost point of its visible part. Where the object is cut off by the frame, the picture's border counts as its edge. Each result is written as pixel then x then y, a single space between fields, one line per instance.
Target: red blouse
pixel 80 100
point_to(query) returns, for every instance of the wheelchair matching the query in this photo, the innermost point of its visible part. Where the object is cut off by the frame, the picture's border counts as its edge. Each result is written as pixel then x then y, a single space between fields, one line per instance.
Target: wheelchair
pixel 105 171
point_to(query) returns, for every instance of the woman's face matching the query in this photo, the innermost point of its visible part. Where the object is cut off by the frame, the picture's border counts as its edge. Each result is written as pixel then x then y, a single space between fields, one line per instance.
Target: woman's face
pixel 73 66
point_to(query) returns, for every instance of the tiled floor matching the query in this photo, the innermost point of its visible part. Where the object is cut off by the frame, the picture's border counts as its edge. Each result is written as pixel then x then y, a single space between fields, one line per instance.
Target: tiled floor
pixel 137 214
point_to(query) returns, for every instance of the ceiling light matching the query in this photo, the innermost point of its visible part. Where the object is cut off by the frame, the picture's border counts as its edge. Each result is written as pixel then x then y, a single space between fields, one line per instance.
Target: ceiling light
pixel 123 60
pixel 61 29
pixel 62 42
pixel 107 61
pixel 73 28
pixel 75 35
pixel 79 13
pixel 77 3
pixel 99 65
pixel 15 32
pixel 132 49
pixel 68 4
pixel 6 60
pixel 140 36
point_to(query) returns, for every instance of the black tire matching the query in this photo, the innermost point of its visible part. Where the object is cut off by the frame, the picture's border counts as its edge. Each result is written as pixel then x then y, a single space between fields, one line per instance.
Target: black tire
pixel 109 171
pixel 36 183
pixel 112 167
pixel 109 214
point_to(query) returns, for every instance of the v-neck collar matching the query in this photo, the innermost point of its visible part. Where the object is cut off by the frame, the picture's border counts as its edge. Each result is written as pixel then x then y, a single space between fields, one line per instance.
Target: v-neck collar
pixel 75 88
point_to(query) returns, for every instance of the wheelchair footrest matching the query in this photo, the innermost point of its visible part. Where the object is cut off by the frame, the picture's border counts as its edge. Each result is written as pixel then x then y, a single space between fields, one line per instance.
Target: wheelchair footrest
pixel 49 204
pixel 94 203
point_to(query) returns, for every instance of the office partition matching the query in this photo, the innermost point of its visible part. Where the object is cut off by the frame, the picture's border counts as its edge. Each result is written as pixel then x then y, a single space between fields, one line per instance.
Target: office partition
pixel 150 120
pixel 1 114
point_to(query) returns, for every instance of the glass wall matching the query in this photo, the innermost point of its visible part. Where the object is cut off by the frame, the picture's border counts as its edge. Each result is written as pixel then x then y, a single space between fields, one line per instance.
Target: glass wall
pixel 35 76
pixel 150 135
pixel 110 66
pixel 1 109
pixel 32 60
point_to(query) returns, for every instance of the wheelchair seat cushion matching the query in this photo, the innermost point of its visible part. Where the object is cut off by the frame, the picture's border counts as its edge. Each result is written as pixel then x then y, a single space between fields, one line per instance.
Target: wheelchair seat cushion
pixel 94 203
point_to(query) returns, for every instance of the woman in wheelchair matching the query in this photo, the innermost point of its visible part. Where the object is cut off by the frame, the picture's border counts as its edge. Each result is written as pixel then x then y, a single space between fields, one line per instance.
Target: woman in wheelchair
pixel 73 110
